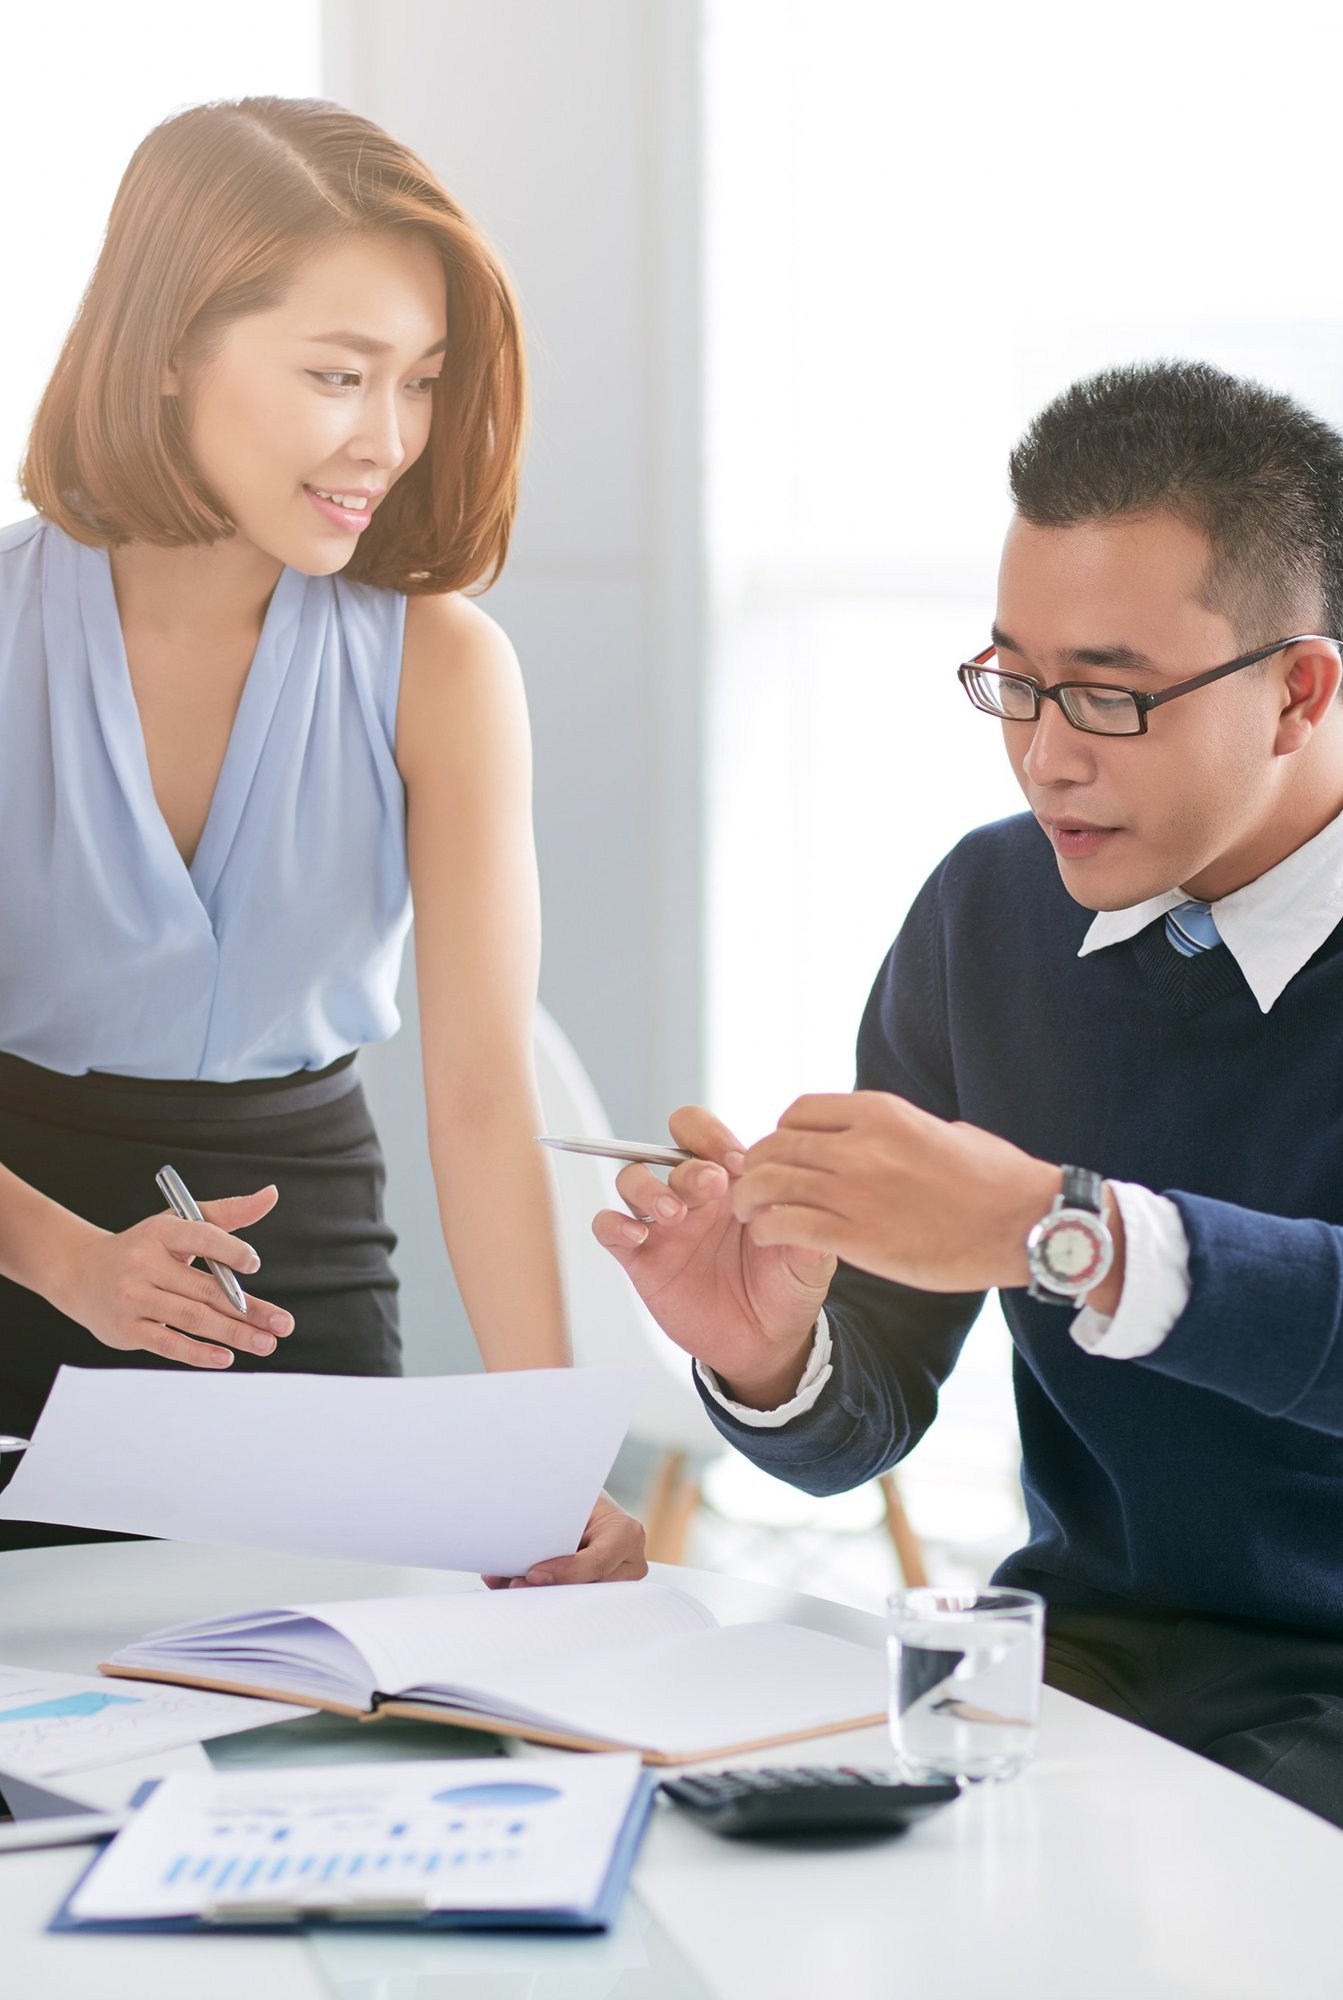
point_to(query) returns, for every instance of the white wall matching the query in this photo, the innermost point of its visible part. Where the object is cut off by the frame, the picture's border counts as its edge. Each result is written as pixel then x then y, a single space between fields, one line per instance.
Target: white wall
pixel 572 134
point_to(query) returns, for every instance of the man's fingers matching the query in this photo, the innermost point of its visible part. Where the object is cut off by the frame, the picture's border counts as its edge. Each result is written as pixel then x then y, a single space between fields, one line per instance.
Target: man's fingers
pixel 830 1111
pixel 811 1229
pixel 762 1187
pixel 697 1131
pixel 691 1185
pixel 698 1182
pixel 619 1234
pixel 641 1191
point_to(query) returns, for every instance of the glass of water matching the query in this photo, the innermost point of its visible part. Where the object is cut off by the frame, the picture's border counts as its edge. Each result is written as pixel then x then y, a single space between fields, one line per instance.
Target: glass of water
pixel 965 1669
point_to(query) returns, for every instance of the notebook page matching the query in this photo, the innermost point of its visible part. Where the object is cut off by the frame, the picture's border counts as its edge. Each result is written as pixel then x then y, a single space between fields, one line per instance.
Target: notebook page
pixel 283 1649
pixel 486 1638
pixel 700 1690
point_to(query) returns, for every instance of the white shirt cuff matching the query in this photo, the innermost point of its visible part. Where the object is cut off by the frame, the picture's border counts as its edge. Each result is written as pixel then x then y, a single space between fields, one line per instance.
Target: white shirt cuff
pixel 1156 1279
pixel 817 1373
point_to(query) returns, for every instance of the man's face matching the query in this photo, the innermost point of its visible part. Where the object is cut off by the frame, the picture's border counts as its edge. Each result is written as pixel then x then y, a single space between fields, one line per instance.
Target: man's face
pixel 1185 805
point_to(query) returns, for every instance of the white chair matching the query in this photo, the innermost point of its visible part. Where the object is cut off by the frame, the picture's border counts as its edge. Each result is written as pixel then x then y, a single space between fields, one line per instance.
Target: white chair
pixel 612 1327
pixel 610 1324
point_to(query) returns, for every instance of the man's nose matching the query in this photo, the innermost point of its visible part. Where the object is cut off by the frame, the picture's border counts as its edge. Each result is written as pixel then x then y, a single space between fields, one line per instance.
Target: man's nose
pixel 1059 754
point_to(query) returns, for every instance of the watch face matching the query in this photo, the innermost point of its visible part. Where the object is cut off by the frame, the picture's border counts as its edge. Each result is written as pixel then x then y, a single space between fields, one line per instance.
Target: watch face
pixel 1072 1250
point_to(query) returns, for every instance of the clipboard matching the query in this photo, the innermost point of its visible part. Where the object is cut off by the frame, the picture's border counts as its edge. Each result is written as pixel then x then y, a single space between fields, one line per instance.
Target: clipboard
pixel 351 1912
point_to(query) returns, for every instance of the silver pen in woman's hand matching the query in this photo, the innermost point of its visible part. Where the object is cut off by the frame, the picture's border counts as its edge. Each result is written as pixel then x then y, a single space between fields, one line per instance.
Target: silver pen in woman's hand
pixel 175 1192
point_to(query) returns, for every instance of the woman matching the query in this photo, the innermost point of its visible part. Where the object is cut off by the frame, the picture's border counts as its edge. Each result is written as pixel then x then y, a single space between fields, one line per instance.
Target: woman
pixel 245 713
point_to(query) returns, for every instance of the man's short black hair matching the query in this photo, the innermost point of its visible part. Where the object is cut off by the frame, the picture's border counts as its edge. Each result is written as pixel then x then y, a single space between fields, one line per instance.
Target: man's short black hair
pixel 1260 476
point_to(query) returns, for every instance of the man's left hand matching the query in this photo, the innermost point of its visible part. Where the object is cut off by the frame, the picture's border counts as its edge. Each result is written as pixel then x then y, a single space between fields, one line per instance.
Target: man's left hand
pixel 889 1188
pixel 611 1551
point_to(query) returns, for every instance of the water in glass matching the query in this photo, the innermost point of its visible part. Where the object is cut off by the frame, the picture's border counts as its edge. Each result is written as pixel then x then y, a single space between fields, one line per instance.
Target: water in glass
pixel 965 1692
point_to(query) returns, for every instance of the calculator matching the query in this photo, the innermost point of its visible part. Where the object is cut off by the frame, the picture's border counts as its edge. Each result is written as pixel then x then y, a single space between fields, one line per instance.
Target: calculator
pixel 806 1798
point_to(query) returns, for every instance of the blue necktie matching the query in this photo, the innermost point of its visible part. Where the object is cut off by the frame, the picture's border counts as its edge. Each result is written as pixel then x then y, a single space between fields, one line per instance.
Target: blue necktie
pixel 1190 928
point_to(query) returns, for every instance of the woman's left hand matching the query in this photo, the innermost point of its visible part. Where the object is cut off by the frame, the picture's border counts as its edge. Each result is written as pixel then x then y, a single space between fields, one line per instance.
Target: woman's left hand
pixel 611 1551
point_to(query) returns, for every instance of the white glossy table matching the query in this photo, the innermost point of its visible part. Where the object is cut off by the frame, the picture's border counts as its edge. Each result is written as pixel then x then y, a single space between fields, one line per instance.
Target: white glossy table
pixel 1118 1866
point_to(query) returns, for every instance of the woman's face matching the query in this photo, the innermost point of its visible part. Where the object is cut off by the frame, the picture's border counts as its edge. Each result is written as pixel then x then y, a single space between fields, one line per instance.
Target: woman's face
pixel 302 416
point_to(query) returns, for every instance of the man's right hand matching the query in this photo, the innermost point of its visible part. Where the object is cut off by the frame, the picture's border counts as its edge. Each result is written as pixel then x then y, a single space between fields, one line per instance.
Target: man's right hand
pixel 746 1310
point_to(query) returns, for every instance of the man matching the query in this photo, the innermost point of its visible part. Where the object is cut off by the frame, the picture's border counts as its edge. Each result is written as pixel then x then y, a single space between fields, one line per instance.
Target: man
pixel 1128 1003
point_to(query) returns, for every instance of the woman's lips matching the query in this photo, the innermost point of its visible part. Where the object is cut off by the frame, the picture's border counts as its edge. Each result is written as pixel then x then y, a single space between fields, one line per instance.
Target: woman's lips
pixel 340 517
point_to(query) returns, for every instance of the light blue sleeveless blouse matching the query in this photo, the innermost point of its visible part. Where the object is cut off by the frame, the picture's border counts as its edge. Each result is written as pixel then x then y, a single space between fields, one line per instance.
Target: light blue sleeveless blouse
pixel 279 948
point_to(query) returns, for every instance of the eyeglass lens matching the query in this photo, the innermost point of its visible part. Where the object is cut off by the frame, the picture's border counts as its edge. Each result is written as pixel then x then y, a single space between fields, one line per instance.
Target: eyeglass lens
pixel 1105 711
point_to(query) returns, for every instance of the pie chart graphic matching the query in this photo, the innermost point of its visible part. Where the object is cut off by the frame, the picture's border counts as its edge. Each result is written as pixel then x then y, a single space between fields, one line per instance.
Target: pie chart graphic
pixel 504 1794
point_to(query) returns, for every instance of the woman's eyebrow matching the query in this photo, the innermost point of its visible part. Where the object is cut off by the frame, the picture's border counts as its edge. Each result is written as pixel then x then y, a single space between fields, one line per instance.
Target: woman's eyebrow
pixel 364 343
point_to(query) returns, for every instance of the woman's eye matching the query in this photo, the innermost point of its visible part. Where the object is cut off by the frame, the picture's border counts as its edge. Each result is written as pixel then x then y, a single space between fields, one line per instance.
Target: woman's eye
pixel 335 378
pixel 424 385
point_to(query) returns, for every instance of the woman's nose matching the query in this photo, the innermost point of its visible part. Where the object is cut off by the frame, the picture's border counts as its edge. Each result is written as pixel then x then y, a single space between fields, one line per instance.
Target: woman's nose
pixel 380 441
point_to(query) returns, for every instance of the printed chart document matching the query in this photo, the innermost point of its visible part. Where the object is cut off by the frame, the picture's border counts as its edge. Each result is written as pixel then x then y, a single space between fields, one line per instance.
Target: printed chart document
pixel 51 1723
pixel 612 1666
pixel 478 1472
pixel 549 1841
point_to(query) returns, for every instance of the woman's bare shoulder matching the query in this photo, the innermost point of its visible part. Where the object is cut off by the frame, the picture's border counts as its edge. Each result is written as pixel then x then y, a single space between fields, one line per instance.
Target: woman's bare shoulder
pixel 448 630
pixel 460 683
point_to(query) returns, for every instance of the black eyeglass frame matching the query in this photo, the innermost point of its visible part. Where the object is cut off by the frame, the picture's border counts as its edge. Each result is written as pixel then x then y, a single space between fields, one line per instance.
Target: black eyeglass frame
pixel 1142 701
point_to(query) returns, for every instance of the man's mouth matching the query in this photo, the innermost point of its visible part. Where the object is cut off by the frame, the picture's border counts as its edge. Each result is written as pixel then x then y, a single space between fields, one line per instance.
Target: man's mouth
pixel 1077 839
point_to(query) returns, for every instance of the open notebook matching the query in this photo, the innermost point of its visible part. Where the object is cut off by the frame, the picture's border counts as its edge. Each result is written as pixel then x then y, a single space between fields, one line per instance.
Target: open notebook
pixel 612 1666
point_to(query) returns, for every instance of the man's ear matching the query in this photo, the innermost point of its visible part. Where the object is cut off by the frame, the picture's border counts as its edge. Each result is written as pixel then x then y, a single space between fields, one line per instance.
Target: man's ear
pixel 1310 690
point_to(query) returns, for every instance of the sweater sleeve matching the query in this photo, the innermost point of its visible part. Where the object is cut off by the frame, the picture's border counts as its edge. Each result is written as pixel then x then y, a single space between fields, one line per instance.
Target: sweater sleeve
pixel 1264 1322
pixel 892 1346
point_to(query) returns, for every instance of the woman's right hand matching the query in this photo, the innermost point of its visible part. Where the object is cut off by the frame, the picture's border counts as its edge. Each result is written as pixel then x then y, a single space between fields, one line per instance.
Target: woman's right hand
pixel 747 1310
pixel 138 1291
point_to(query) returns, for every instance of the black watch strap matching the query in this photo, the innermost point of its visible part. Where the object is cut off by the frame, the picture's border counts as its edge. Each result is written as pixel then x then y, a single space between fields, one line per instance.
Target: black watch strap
pixel 1082 1188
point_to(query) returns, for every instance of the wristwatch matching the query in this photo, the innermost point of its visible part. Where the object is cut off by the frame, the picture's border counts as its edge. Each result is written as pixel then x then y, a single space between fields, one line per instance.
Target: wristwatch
pixel 1070 1249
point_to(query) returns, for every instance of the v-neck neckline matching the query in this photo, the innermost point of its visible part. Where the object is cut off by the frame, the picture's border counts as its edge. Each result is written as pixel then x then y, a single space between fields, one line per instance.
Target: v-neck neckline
pixel 111 673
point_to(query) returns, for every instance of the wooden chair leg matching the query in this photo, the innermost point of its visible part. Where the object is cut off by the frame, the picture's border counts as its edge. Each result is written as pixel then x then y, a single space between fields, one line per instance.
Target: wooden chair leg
pixel 660 1507
pixel 683 1511
pixel 908 1548
pixel 673 1497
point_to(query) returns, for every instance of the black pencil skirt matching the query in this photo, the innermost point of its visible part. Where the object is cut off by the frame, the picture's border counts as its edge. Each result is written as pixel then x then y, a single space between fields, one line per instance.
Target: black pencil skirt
pixel 95 1143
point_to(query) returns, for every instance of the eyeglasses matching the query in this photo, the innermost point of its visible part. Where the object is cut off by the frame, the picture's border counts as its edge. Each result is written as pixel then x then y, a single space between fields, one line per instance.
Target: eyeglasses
pixel 1089 705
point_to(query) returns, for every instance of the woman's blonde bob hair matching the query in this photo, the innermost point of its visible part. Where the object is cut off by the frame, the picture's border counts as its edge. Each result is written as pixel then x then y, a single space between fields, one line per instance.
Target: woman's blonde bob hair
pixel 215 213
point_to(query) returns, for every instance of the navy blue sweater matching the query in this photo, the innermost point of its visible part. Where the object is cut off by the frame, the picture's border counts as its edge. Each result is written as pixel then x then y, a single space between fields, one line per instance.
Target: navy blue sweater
pixel 1208 1476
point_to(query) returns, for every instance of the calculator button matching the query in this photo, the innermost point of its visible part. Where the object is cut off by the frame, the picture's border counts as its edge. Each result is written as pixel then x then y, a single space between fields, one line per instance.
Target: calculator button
pixel 700 1790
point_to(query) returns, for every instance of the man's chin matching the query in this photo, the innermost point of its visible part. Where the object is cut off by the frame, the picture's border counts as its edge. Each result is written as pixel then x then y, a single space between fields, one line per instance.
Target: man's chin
pixel 1097 888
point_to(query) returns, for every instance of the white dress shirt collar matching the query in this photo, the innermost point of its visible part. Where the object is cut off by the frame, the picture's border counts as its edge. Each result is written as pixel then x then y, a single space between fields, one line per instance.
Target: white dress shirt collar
pixel 1270 927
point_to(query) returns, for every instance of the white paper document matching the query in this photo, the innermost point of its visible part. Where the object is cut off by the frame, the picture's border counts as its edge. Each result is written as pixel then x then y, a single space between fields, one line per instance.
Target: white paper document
pixel 481 1472
pixel 53 1723
pixel 479 1834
